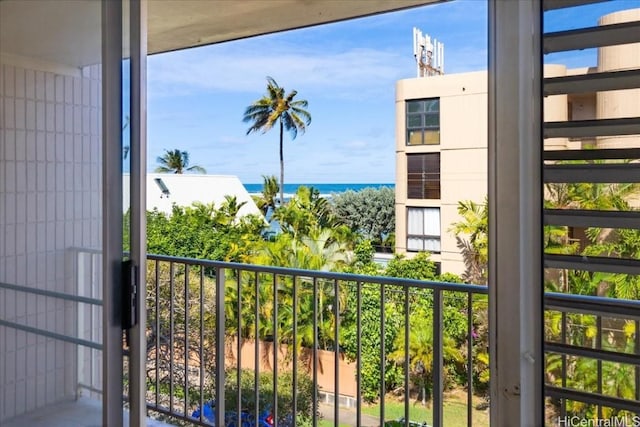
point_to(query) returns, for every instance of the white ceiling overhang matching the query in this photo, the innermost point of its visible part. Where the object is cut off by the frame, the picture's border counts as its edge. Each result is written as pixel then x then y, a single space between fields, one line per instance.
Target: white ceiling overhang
pixel 67 31
pixel 177 24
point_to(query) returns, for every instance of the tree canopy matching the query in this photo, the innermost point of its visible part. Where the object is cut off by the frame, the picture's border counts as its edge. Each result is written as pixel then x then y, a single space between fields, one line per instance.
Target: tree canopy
pixel 176 161
pixel 369 212
pixel 267 199
pixel 472 237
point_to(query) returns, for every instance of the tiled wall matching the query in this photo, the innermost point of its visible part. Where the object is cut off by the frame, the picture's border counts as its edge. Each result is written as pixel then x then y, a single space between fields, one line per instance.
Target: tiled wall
pixel 50 203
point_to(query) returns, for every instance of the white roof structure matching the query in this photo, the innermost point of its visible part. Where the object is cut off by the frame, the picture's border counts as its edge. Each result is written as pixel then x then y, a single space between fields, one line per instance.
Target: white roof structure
pixel 164 190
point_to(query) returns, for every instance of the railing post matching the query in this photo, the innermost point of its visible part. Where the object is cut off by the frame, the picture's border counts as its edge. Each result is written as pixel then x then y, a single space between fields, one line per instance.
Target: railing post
pixel 383 363
pixel 172 331
pixel 239 348
pixel 437 358
pixel 470 339
pixel 563 332
pixel 637 348
pixel 599 362
pixel 200 352
pixel 220 323
pixel 256 347
pixel 336 354
pixel 407 366
pixel 187 269
pixel 359 354
pixel 295 351
pixel 274 410
pixel 315 352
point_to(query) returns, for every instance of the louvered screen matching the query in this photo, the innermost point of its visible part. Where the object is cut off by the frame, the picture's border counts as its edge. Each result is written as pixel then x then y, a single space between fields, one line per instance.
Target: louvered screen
pixel 591 174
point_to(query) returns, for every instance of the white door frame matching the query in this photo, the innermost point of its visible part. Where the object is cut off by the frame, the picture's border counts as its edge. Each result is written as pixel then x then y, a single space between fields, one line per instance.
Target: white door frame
pixel 138 252
pixel 112 179
pixel 112 384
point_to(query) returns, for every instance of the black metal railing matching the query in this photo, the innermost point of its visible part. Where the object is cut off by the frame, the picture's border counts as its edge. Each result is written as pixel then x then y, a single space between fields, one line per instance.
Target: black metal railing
pixel 222 338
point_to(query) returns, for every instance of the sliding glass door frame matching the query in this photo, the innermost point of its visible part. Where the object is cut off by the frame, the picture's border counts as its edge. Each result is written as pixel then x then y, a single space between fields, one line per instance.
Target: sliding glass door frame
pixel 112 228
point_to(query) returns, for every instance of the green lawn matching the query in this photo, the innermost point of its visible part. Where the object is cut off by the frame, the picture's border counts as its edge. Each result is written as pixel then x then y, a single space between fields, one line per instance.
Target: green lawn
pixel 326 423
pixel 455 412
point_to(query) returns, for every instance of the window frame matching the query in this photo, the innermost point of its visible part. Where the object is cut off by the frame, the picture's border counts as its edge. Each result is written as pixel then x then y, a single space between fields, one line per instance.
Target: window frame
pixel 424 237
pixel 429 108
pixel 425 177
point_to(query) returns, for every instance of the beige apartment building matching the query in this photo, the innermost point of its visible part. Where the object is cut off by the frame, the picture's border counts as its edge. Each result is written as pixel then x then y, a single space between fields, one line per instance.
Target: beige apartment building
pixel 441 141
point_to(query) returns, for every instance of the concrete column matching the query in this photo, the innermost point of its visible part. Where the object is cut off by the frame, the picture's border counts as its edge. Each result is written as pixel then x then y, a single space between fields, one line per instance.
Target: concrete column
pixel 619 103
pixel 555 107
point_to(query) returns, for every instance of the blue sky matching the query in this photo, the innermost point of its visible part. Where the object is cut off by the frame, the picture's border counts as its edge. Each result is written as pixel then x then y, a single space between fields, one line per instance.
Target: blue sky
pixel 347 71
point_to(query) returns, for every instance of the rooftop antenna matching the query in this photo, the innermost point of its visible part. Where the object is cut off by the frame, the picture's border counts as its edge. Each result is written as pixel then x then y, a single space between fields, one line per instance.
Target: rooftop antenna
pixel 429 54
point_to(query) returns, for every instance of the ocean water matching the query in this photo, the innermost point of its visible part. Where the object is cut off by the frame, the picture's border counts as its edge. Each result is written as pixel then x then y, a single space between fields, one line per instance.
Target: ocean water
pixel 324 189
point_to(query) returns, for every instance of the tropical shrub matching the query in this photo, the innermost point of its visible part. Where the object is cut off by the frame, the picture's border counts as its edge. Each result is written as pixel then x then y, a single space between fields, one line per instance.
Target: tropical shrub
pixel 307 211
pixel 369 212
pixel 204 232
pixel 420 351
pixel 472 237
pixel 371 341
pixel 302 391
pixel 420 267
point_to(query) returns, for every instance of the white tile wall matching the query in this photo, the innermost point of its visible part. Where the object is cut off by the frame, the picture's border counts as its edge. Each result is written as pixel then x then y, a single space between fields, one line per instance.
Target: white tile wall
pixel 50 203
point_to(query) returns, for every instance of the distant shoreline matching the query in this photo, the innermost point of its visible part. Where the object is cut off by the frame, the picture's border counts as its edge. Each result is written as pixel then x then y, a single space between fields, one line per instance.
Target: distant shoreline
pixel 325 189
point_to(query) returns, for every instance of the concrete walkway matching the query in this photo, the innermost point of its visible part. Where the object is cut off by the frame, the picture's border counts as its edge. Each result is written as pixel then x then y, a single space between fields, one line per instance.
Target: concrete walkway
pixel 83 412
pixel 347 416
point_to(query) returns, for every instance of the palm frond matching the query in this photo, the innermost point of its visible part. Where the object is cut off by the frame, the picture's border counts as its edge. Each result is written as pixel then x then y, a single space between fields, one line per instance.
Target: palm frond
pixel 162 169
pixel 298 123
pixel 198 169
pixel 300 103
pixel 303 114
pixel 289 125
pixel 176 161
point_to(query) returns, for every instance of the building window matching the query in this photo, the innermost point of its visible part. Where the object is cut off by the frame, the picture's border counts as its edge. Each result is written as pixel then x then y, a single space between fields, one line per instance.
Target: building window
pixel 423 229
pixel 423 176
pixel 423 122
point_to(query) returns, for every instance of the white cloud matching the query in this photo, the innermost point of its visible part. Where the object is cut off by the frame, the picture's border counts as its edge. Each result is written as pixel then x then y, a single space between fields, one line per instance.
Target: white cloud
pixel 324 60
pixel 230 139
pixel 220 68
pixel 356 145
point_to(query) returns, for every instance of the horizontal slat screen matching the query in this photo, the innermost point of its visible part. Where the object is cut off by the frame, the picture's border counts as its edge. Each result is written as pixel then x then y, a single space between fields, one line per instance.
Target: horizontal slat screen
pixel 596 82
pixel 591 220
pixel 592 128
pixel 585 38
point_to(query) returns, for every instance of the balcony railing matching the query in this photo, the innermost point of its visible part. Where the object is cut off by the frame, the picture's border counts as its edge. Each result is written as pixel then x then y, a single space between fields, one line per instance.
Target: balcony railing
pixel 215 330
pixel 194 346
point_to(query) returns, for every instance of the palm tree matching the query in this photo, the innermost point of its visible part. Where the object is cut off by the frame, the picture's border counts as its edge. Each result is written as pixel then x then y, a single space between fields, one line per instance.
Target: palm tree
pixel 274 107
pixel 474 249
pixel 270 190
pixel 420 350
pixel 176 161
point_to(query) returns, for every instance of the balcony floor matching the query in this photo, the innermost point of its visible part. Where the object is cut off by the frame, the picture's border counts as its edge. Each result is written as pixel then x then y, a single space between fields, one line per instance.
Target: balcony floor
pixel 84 412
